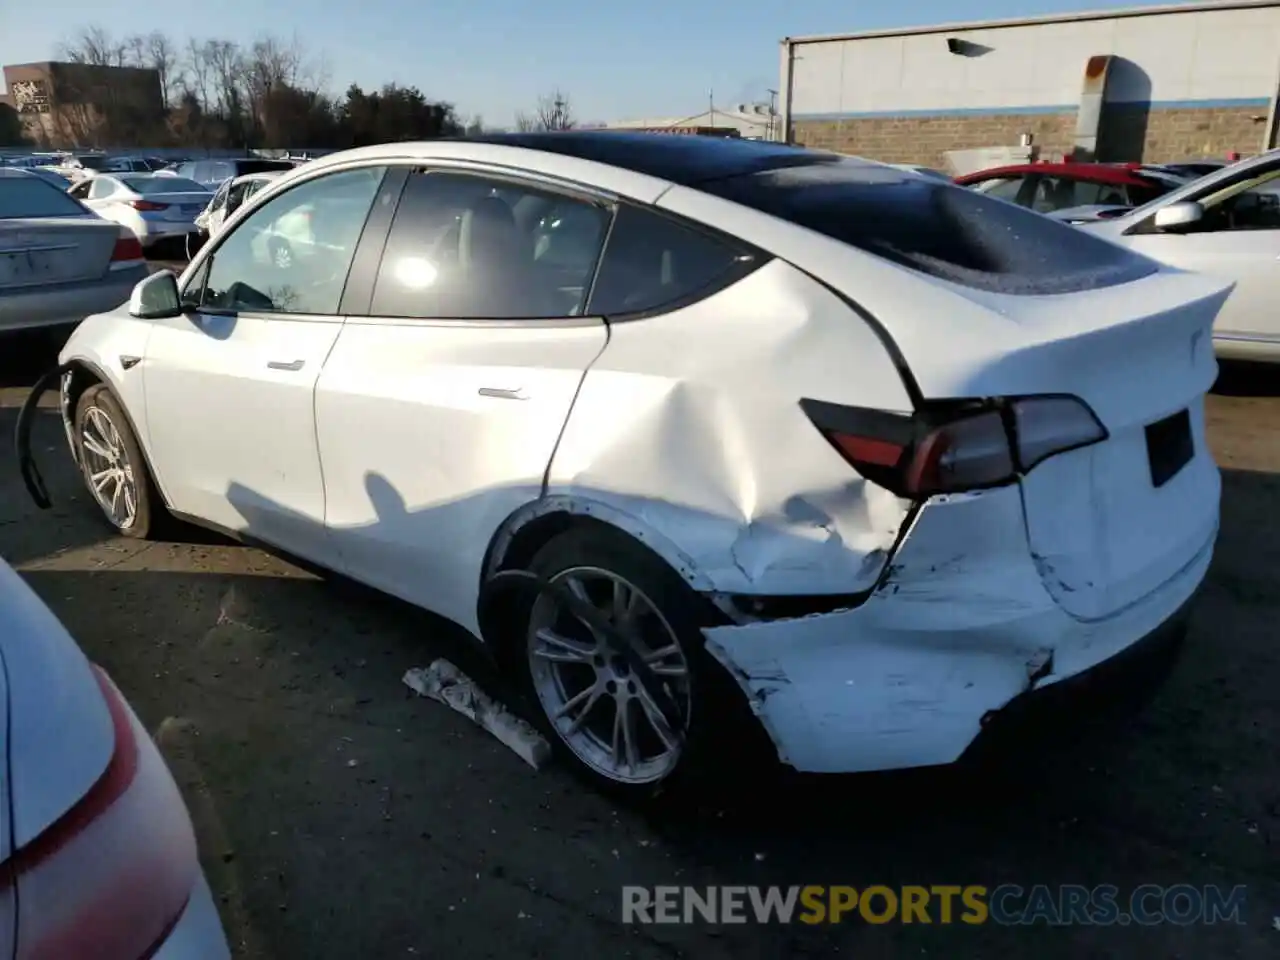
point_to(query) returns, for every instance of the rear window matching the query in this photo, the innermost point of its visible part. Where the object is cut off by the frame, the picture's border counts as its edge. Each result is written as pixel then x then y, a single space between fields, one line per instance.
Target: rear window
pixel 163 185
pixel 937 229
pixel 32 197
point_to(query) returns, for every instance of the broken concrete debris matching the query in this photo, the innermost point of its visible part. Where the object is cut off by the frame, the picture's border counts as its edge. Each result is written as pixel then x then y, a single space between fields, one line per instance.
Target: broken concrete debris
pixel 444 682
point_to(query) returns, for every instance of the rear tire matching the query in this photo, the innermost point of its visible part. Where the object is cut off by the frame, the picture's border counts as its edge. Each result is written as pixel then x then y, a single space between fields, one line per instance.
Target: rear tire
pixel 664 614
pixel 113 467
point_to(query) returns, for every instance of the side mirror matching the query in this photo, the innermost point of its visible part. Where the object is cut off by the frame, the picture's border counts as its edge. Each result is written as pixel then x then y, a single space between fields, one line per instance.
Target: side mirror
pixel 156 298
pixel 1178 217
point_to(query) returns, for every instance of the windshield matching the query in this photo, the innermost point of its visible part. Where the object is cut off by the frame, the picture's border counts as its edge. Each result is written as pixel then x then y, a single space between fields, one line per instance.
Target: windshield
pixel 33 197
pixel 145 185
pixel 91 163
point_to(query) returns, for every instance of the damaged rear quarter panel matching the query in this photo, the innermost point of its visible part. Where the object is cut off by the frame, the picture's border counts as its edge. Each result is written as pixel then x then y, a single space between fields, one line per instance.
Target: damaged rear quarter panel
pixel 960 626
pixel 690 423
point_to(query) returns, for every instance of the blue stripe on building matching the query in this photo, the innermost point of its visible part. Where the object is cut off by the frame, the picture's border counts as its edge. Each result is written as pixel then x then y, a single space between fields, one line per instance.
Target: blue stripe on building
pixel 1043 110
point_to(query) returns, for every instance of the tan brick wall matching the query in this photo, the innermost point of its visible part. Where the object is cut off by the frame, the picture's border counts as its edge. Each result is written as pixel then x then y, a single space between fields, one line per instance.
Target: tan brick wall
pixel 1129 133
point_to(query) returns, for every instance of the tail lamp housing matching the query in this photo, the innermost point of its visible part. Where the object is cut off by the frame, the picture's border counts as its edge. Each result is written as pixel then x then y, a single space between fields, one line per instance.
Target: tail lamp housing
pixel 956 446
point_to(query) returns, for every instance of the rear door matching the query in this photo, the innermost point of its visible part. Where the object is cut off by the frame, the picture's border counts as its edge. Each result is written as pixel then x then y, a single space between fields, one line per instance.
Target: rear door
pixel 462 352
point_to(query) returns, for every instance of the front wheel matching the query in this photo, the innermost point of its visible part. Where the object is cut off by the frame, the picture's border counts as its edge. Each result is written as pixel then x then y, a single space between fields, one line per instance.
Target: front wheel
pixel 112 465
pixel 616 731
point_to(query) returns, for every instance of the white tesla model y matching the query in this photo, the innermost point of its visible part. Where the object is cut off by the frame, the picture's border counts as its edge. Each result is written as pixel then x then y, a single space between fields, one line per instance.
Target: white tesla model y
pixel 775 432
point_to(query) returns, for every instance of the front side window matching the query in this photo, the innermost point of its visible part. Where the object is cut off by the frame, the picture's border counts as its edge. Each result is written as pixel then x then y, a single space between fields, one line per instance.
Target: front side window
pixel 653 261
pixel 220 197
pixel 469 247
pixel 1253 204
pixel 292 255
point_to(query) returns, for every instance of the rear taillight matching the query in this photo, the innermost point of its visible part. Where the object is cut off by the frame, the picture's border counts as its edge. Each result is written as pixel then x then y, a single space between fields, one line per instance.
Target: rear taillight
pixel 111 877
pixel 958 446
pixel 148 205
pixel 127 250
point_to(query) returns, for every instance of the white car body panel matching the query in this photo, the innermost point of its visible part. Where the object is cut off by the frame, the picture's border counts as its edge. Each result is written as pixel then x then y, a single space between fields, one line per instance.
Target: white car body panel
pixel 436 433
pixel 1247 326
pixel 115 874
pixel 60 736
pixel 690 424
pixel 256 416
pixel 400 452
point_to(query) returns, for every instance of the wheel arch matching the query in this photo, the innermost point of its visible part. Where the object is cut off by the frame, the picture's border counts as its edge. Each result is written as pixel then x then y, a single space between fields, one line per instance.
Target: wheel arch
pixel 528 529
pixel 83 374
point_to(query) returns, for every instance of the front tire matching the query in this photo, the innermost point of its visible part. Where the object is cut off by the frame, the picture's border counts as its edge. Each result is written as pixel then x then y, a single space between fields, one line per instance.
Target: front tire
pixel 113 467
pixel 591 706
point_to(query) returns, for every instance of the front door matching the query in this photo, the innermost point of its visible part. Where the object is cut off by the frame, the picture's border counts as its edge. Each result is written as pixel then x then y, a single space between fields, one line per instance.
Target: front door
pixel 230 385
pixel 439 411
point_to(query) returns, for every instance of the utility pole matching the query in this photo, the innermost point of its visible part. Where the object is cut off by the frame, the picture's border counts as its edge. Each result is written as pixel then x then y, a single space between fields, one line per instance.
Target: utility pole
pixel 773 111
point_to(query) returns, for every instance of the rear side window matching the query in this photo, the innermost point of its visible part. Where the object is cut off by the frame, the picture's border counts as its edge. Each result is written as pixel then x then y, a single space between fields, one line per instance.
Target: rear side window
pixel 937 229
pixel 653 262
pixel 470 247
pixel 30 196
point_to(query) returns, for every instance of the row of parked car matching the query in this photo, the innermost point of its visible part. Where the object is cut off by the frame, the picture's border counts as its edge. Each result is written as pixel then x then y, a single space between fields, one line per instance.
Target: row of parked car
pixel 697 436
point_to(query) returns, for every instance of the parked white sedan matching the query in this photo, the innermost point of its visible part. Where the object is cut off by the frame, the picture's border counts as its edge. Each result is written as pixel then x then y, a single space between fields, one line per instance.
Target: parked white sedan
pixel 155 208
pixel 98 852
pixel 1226 224
pixel 686 430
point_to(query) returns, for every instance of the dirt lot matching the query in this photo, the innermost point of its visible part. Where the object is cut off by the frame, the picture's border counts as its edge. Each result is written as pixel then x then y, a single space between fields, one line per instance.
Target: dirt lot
pixel 341 817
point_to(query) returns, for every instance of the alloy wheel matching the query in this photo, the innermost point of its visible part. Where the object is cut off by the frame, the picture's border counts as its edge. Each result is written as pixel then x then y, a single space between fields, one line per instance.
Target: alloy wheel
pixel 591 696
pixel 107 469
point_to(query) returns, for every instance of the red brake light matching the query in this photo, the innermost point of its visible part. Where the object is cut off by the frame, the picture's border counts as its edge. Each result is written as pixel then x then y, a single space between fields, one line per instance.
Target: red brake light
pixel 957 449
pixel 148 205
pixel 126 249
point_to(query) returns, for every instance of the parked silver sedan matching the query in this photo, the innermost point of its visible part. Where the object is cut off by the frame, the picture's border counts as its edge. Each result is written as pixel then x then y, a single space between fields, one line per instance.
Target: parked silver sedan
pixel 59 262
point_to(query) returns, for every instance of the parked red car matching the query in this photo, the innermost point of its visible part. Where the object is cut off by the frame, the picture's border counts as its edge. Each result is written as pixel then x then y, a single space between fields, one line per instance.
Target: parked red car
pixel 1049 187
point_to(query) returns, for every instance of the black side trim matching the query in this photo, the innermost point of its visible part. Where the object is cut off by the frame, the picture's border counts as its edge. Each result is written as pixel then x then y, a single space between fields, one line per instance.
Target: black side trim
pixel 357 295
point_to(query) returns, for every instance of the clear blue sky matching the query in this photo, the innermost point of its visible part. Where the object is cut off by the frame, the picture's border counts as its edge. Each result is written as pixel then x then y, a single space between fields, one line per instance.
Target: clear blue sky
pixel 494 57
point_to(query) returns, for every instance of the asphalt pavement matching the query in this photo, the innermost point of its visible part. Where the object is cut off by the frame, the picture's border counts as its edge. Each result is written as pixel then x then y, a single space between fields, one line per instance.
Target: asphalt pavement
pixel 342 817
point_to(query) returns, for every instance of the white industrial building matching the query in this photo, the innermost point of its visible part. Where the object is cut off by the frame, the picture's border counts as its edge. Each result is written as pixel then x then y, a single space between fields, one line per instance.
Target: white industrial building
pixel 1150 83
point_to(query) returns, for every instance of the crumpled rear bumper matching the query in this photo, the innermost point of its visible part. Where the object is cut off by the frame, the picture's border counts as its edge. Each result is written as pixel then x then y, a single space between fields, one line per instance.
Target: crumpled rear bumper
pixel 909 678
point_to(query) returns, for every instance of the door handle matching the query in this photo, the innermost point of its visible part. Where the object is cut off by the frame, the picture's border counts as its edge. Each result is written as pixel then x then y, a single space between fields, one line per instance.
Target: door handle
pixel 501 393
pixel 286 364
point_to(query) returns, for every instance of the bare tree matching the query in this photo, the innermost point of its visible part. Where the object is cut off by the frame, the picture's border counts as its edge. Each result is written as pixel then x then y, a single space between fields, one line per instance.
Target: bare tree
pixel 197 73
pixel 554 112
pixel 94 46
pixel 162 57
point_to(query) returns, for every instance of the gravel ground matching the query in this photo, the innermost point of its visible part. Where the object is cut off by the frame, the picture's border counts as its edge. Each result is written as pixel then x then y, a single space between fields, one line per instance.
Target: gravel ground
pixel 339 816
